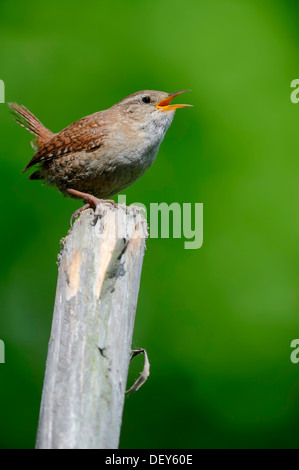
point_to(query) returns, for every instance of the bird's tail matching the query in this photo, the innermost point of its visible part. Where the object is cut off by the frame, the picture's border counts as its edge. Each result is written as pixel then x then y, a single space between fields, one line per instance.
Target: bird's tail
pixel 27 120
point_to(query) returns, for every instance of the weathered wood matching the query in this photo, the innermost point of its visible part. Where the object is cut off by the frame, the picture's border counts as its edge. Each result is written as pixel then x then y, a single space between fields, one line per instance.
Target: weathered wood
pixel 93 321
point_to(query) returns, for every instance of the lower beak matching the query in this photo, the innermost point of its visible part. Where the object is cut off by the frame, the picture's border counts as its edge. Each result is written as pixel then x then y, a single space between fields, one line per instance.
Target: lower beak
pixel 165 105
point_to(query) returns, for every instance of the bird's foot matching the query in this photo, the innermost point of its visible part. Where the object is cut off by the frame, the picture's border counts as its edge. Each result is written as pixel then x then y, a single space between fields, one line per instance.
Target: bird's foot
pixel 78 212
pixel 92 201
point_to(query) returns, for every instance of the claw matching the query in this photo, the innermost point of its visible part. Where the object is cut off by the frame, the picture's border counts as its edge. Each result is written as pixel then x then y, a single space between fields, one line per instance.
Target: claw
pixel 77 212
pixel 92 202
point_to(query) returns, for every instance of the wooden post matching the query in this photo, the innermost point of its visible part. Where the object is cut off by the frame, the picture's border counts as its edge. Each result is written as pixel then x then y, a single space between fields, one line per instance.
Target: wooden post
pixel 89 349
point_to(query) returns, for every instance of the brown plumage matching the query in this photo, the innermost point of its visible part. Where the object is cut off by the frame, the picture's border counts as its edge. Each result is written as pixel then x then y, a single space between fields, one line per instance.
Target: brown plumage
pixel 31 124
pixel 103 153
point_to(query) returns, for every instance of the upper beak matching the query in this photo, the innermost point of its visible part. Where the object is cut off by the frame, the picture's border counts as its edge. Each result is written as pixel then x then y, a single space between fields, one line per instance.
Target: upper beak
pixel 165 105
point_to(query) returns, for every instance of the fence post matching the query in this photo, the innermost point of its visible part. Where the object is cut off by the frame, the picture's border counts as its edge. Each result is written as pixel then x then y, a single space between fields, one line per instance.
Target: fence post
pixel 89 349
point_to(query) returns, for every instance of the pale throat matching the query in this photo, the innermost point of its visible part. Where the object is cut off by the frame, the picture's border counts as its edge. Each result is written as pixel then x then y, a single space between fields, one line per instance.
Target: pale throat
pixel 155 129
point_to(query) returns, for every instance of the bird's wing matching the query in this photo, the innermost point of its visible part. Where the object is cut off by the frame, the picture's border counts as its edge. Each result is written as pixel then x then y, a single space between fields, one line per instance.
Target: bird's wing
pixel 86 134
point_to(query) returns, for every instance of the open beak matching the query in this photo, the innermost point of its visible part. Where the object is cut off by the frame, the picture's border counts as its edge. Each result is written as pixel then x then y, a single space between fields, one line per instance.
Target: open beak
pixel 165 105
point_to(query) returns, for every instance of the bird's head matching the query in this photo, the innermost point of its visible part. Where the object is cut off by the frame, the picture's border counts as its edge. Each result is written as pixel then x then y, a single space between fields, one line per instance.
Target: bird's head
pixel 150 108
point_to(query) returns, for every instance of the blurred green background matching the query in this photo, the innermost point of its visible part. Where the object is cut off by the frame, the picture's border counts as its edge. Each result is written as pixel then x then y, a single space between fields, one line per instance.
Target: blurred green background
pixel 217 322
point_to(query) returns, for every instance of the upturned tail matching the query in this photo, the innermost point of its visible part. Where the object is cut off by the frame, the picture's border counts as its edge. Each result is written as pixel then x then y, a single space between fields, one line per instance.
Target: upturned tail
pixel 27 120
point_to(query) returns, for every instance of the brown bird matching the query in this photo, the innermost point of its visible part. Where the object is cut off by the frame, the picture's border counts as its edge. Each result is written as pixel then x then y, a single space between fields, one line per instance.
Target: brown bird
pixel 101 154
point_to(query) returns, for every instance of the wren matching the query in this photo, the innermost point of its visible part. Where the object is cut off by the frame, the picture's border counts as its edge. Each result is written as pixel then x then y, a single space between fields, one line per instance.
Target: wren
pixel 101 154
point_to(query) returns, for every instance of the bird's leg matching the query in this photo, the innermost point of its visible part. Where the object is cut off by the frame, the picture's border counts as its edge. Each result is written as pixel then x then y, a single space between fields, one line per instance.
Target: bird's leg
pixel 92 201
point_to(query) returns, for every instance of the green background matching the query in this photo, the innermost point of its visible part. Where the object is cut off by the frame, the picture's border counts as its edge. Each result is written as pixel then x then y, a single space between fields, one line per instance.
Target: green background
pixel 217 322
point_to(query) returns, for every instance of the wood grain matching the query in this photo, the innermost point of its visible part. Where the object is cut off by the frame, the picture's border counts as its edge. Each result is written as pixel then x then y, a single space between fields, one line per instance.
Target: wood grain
pixel 93 321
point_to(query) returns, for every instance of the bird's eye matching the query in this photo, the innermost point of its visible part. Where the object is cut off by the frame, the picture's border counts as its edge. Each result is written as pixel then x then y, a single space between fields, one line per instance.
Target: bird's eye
pixel 146 99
